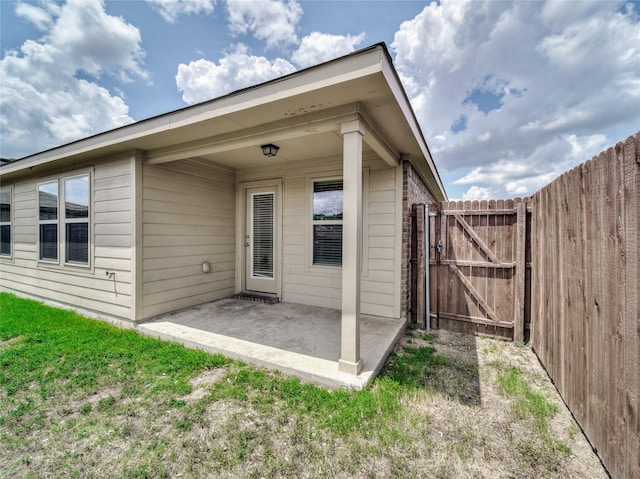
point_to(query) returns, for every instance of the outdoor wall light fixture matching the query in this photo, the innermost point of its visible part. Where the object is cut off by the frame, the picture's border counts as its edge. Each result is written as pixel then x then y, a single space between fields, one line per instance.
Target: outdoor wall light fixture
pixel 270 150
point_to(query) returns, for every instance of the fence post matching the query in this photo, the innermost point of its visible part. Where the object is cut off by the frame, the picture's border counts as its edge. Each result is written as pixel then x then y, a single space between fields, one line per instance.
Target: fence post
pixel 518 313
pixel 421 267
pixel 427 273
pixel 434 235
pixel 413 269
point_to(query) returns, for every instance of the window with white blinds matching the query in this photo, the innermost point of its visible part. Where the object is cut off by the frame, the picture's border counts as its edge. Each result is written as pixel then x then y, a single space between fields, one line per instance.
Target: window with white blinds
pixel 63 219
pixel 327 222
pixel 263 235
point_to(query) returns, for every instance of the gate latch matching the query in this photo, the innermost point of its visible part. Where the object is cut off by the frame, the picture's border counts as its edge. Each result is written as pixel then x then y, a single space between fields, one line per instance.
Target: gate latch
pixel 439 247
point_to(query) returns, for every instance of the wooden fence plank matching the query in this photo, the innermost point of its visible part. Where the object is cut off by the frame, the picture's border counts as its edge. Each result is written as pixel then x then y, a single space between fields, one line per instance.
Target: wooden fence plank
pixel 596 361
pixel 503 307
pixel 492 289
pixel 477 320
pixel 481 264
pixel 598 393
pixel 631 192
pixel 483 210
pixel 518 313
pixel 576 368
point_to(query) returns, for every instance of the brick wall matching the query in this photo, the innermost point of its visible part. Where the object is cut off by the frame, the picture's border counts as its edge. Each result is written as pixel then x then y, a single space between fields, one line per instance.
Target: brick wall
pixel 413 191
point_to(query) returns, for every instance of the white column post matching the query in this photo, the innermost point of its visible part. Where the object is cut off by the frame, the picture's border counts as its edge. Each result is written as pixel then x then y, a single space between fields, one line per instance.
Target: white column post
pixel 352 132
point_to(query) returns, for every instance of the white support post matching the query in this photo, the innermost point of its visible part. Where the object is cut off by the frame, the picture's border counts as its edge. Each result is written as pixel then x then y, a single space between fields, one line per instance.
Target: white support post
pixel 350 361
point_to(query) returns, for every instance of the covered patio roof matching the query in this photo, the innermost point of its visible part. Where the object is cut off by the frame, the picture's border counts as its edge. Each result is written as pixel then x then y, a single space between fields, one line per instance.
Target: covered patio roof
pixel 308 105
pixel 299 340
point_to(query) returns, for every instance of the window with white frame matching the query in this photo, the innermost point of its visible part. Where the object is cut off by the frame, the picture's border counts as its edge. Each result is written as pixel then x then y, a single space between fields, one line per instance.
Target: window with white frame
pixel 5 222
pixel 48 220
pixel 76 219
pixel 327 222
pixel 63 219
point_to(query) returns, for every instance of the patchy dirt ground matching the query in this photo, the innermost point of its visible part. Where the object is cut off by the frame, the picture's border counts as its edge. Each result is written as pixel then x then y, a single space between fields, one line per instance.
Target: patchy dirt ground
pixel 448 417
pixel 476 421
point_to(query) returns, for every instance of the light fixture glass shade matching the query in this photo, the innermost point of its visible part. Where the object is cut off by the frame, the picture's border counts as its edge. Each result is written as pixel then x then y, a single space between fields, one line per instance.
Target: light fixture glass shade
pixel 270 150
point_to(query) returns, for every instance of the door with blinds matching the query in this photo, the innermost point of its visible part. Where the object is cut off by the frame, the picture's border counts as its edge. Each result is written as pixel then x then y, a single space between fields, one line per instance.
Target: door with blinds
pixel 260 240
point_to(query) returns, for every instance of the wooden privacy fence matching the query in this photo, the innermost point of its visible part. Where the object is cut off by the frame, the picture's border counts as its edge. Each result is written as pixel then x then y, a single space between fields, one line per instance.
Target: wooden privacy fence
pixel 564 264
pixel 479 275
pixel 585 309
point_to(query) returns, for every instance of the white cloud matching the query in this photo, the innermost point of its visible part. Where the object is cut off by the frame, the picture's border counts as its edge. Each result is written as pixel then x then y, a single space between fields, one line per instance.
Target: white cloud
pixel 565 75
pixel 91 40
pixel 274 21
pixel 478 193
pixel 170 10
pixel 202 79
pixel 320 47
pixel 44 102
pixel 520 176
pixel 40 17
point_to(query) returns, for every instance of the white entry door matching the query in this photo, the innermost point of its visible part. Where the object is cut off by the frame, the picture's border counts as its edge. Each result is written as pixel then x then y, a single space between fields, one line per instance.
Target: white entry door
pixel 260 244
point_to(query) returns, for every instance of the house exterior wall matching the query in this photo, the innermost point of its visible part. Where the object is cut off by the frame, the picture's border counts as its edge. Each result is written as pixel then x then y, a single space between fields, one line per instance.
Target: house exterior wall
pixel 188 217
pixel 414 191
pixel 110 237
pixel 321 286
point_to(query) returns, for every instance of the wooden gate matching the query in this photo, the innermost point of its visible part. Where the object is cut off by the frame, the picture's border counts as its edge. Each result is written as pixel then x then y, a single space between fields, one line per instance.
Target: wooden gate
pixel 480 267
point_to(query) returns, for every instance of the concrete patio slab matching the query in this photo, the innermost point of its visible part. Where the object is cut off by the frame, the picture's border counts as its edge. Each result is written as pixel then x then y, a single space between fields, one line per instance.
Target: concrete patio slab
pixel 295 339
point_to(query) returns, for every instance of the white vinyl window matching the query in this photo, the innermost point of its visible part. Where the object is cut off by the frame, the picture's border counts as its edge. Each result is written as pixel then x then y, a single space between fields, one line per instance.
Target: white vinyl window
pixel 5 222
pixel 48 221
pixel 63 220
pixel 327 222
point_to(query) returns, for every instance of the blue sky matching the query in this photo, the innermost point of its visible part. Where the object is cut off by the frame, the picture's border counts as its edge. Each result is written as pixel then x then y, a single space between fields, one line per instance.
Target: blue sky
pixel 509 94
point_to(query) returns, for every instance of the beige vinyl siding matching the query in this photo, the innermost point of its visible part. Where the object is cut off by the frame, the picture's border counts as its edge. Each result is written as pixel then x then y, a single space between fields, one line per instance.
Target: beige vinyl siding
pixel 110 245
pixel 377 289
pixel 188 217
pixel 322 286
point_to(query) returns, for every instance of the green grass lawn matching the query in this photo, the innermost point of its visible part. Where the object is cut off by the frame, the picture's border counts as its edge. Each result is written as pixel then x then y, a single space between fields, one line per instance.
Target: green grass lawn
pixel 81 398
